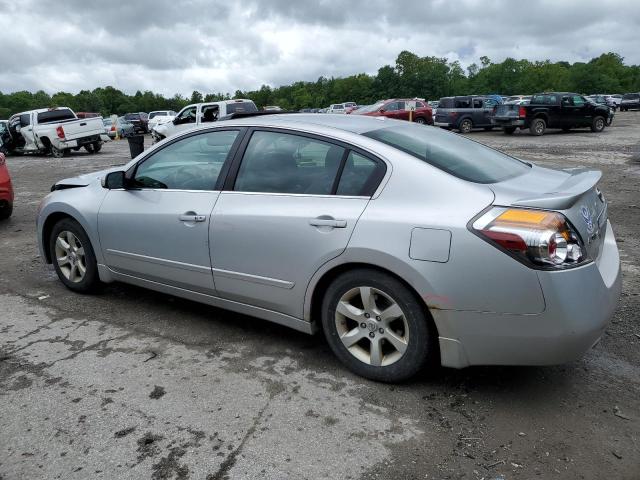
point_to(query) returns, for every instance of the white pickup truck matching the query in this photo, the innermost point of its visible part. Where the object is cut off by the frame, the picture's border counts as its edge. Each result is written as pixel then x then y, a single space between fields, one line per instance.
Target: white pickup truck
pixel 199 114
pixel 55 131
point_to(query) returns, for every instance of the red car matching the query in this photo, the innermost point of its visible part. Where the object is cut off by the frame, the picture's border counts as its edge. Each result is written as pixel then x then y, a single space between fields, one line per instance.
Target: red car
pixel 6 190
pixel 400 109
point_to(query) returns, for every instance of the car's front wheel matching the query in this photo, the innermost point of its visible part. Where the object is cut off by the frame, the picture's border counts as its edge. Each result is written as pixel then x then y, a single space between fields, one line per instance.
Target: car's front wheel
pixel 376 326
pixel 73 257
pixel 598 124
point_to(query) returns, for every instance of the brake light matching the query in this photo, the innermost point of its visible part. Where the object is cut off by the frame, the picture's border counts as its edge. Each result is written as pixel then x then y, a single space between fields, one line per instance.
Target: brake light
pixel 60 132
pixel 113 128
pixel 538 238
pixel 2 159
pixel 522 112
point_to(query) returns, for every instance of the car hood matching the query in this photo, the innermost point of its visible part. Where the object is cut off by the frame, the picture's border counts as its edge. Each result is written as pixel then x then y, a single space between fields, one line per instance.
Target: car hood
pixel 86 179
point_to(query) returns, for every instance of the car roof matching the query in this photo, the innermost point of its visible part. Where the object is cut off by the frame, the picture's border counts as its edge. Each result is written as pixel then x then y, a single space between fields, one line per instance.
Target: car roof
pixel 349 123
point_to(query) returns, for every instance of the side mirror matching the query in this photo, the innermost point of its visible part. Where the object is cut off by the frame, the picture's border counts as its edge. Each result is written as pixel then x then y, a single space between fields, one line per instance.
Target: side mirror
pixel 382 110
pixel 114 180
pixel 175 121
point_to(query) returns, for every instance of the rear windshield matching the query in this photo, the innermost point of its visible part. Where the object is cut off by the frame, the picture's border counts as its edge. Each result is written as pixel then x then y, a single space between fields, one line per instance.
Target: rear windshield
pixel 452 153
pixel 445 103
pixel 631 96
pixel 56 115
pixel 241 107
pixel 132 116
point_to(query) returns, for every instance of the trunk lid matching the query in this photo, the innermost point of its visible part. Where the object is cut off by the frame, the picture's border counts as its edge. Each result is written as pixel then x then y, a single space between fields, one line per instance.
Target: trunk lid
pixel 572 192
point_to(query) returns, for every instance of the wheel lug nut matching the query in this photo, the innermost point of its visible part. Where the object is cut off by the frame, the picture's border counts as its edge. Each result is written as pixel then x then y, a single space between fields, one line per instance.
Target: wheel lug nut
pixel 363 325
pixel 366 315
pixel 371 334
pixel 381 330
pixel 378 317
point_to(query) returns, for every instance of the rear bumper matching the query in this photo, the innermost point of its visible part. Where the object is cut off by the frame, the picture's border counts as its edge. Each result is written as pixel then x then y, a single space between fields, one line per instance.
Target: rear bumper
pixel 579 304
pixel 507 122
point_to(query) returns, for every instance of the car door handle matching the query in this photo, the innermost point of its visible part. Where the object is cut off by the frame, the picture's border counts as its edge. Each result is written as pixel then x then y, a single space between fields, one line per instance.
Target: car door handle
pixel 328 222
pixel 192 217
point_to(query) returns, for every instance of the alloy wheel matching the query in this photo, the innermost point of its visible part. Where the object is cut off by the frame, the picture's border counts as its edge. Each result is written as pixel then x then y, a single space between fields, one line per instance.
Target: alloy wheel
pixel 70 256
pixel 372 326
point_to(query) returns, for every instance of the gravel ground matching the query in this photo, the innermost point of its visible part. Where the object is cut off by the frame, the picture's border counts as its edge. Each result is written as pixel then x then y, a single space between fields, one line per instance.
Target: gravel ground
pixel 136 384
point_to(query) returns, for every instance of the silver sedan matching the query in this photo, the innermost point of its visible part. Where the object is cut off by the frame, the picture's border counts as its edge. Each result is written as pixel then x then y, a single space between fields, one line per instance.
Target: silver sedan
pixel 403 243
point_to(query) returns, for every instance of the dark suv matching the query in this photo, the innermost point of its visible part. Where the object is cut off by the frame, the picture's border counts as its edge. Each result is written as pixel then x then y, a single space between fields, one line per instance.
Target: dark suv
pixel 630 101
pixel 465 113
pixel 139 120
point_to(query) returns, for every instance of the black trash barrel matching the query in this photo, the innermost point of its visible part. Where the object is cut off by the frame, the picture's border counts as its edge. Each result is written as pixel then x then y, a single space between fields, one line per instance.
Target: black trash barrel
pixel 136 145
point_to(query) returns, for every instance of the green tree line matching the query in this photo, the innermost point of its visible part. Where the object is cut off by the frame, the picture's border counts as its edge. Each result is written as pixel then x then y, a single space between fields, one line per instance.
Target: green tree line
pixel 411 76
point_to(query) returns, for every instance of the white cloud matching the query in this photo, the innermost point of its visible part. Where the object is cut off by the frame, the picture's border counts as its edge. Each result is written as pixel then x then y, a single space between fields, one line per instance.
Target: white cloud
pixel 219 46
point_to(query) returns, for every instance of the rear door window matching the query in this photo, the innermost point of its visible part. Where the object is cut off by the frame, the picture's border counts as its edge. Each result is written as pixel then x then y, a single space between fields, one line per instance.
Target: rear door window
pixel 357 176
pixel 25 119
pixel 276 162
pixel 477 103
pixel 462 102
pixel 445 103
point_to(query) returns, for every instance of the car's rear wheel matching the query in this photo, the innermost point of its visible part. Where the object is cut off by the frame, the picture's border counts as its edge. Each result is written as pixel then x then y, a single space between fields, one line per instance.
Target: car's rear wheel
pixel 58 152
pixel 598 124
pixel 73 257
pixel 537 127
pixel 376 326
pixel 465 126
pixel 420 120
pixel 90 148
pixel 509 130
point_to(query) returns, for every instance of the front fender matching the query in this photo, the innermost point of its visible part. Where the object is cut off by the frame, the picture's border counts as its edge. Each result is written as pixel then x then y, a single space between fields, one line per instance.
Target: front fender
pixel 82 204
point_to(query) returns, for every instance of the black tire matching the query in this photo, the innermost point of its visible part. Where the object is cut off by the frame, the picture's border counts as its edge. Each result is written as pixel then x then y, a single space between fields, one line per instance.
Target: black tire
pixel 420 120
pixel 91 281
pixel 598 124
pixel 465 126
pixel 58 153
pixel 537 127
pixel 6 209
pixel 509 130
pixel 89 148
pixel 422 337
pixel 97 146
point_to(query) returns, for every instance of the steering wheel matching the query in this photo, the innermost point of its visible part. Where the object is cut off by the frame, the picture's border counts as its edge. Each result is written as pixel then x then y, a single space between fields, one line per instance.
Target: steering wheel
pixel 184 177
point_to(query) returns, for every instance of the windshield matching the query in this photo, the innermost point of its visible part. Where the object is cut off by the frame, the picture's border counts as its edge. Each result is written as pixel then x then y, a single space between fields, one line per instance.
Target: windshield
pixel 370 108
pixel 238 107
pixel 452 153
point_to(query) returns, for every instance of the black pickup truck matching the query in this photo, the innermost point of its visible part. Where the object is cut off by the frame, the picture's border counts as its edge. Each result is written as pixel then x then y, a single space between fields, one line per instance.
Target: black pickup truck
pixel 552 110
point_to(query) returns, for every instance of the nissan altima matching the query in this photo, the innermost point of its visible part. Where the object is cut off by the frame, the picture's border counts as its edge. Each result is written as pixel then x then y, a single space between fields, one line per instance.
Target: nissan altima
pixel 404 244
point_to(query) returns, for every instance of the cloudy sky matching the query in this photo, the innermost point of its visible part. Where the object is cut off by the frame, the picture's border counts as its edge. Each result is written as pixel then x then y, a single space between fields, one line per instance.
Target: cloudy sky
pixel 177 46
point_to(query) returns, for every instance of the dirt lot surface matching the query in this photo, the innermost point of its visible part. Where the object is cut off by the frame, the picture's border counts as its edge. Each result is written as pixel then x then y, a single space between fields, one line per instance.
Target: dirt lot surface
pixel 136 384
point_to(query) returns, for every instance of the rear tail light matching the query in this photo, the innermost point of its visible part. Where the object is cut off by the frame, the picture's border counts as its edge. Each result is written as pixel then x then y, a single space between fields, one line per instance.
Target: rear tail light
pixel 522 112
pixel 60 132
pixel 538 238
pixel 113 128
pixel 2 159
